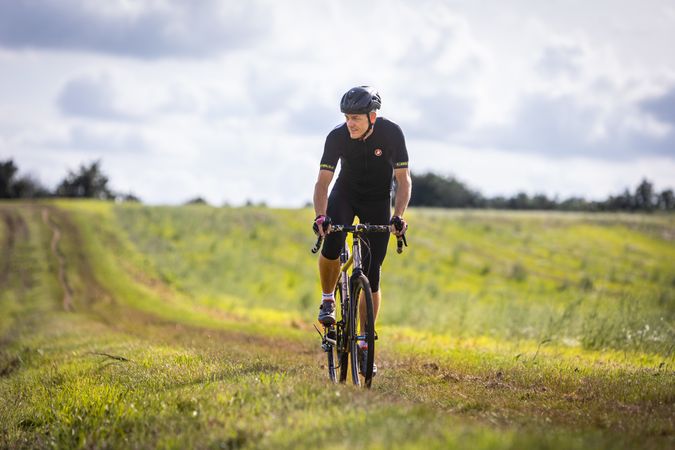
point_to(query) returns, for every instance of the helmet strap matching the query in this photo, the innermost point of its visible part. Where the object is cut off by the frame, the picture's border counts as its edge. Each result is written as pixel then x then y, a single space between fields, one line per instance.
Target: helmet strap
pixel 370 127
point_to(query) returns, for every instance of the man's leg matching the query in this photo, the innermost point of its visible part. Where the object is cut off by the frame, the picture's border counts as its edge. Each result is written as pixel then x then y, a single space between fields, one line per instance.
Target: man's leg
pixel 376 303
pixel 341 212
pixel 378 212
pixel 362 308
pixel 329 271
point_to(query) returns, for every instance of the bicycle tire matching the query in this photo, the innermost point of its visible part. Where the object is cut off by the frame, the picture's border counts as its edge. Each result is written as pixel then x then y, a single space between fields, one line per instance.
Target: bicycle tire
pixel 341 349
pixel 361 285
pixel 331 356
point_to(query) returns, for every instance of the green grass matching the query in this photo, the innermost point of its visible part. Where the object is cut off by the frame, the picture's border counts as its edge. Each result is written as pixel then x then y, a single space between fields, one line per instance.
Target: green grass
pixel 595 281
pixel 191 329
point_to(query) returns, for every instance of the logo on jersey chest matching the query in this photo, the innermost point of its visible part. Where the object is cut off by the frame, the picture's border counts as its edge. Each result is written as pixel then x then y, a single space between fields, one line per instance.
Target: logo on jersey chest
pixel 378 152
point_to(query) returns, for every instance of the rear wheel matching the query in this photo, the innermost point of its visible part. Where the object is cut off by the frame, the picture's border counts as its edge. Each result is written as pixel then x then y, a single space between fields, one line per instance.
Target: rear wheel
pixel 361 332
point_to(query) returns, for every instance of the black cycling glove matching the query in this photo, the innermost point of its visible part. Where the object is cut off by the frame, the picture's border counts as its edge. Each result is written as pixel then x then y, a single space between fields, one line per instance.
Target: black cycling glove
pixel 323 221
pixel 398 223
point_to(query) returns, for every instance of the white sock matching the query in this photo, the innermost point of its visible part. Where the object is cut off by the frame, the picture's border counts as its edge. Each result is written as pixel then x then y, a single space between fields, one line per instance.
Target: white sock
pixel 328 297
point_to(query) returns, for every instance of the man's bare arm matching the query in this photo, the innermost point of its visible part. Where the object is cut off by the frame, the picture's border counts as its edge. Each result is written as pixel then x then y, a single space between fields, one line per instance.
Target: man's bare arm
pixel 403 190
pixel 321 191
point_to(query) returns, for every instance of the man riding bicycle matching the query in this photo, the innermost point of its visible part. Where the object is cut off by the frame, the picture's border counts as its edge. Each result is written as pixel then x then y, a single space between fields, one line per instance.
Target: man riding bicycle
pixel 372 153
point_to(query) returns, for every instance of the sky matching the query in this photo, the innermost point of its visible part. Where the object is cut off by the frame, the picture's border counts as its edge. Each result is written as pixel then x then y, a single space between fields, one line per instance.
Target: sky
pixel 232 100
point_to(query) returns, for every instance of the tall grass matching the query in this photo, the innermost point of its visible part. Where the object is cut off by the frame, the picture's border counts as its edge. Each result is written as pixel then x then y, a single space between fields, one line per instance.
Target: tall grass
pixel 599 281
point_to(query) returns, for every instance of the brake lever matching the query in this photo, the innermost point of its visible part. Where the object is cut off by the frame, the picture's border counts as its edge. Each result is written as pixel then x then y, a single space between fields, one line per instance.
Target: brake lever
pixel 317 246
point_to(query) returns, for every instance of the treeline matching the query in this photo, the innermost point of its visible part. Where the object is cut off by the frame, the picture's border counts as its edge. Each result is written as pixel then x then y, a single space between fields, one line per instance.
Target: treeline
pixel 429 189
pixel 87 182
pixel 447 192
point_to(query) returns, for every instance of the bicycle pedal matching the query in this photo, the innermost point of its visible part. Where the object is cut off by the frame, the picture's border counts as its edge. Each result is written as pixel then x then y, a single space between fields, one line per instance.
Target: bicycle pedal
pixel 329 339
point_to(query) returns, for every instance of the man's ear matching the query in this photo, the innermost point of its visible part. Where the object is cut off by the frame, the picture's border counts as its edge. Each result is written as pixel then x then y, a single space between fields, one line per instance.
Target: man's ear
pixel 373 116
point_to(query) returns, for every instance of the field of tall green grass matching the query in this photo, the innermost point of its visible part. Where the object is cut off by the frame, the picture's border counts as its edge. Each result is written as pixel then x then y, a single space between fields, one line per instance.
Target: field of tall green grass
pixel 589 281
pixel 128 326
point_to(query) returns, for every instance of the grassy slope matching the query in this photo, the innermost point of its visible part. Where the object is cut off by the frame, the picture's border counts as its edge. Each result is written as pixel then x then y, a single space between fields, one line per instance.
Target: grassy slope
pixel 604 281
pixel 210 320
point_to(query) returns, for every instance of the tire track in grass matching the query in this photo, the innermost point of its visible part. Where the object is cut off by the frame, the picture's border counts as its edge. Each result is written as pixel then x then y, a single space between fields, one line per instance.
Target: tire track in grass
pixel 16 276
pixel 96 300
pixel 8 245
pixel 56 251
pixel 15 272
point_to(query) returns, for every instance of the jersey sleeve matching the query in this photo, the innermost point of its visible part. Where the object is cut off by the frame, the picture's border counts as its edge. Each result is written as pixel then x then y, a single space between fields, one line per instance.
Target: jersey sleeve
pixel 400 150
pixel 331 154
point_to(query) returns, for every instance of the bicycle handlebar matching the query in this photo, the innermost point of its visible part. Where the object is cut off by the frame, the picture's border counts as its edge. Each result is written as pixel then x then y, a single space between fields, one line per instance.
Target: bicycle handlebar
pixel 317 246
pixel 400 242
pixel 362 228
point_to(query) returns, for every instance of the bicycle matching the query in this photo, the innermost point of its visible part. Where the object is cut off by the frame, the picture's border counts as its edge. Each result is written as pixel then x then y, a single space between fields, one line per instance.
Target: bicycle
pixel 341 340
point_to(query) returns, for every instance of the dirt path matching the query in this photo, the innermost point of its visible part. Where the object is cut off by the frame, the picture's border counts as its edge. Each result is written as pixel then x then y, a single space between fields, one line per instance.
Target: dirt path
pixel 7 246
pixel 56 251
pixel 17 231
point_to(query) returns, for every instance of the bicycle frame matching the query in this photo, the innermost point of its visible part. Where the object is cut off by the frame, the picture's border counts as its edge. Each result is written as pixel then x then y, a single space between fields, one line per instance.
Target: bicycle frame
pixel 340 340
pixel 347 259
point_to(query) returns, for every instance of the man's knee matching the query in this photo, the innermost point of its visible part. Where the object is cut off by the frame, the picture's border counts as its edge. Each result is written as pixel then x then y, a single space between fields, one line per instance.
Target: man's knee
pixel 324 261
pixel 374 278
pixel 332 245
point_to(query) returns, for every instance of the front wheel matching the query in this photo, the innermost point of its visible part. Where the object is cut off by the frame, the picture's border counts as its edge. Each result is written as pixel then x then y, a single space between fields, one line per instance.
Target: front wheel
pixel 341 349
pixel 329 348
pixel 362 332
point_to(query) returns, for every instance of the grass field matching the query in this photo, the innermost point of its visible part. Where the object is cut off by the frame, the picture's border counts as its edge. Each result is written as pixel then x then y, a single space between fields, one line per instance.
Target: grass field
pixel 126 326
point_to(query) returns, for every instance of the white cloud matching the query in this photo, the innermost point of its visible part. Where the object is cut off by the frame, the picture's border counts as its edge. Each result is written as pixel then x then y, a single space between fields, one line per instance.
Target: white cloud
pixel 91 97
pixel 560 61
pixel 102 140
pixel 153 29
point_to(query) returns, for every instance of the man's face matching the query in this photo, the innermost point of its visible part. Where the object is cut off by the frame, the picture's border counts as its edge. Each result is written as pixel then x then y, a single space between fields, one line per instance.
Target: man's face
pixel 357 124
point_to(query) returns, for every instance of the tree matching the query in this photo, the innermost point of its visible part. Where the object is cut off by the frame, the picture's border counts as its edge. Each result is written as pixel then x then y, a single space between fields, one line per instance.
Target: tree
pixel 28 187
pixel 7 172
pixel 666 201
pixel 89 182
pixel 128 197
pixel 622 202
pixel 520 201
pixel 645 199
pixel 433 190
pixel 541 201
pixel 196 201
pixel 574 204
pixel 13 187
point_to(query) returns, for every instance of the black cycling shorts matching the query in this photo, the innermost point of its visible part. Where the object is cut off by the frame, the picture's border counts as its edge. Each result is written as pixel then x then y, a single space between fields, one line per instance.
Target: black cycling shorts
pixel 342 211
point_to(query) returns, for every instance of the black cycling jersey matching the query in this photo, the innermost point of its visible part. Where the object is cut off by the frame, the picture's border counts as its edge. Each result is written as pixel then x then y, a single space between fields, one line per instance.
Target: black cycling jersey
pixel 367 166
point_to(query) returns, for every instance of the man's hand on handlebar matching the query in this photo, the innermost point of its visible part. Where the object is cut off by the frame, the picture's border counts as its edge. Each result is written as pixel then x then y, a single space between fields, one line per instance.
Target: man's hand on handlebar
pixel 398 226
pixel 321 225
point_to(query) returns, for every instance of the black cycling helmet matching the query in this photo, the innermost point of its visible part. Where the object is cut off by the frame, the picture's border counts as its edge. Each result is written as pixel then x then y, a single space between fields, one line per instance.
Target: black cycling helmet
pixel 360 100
